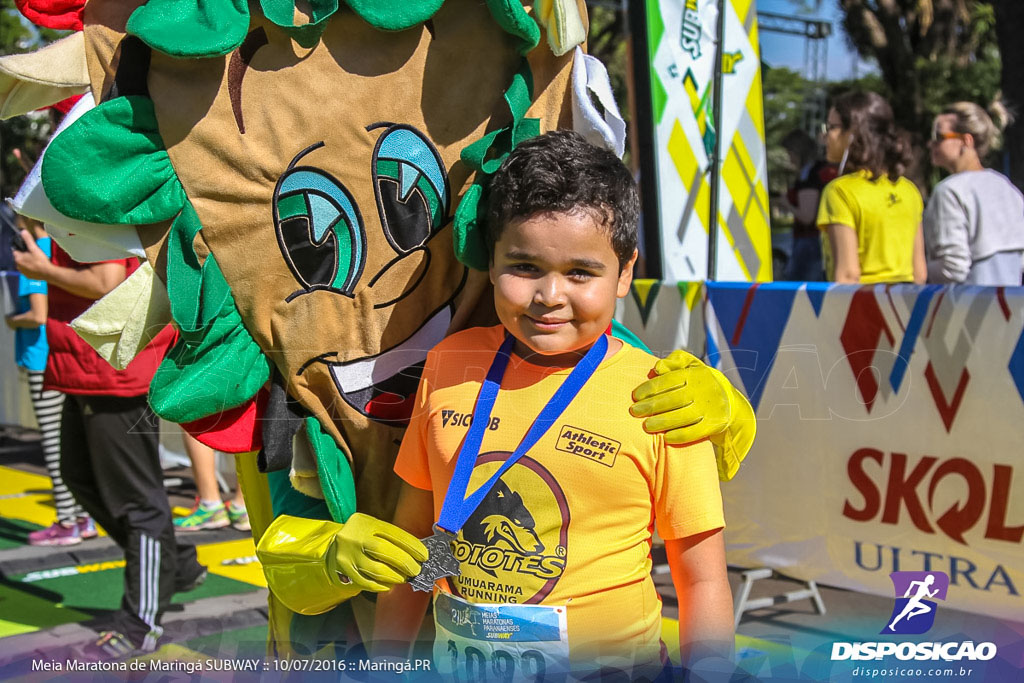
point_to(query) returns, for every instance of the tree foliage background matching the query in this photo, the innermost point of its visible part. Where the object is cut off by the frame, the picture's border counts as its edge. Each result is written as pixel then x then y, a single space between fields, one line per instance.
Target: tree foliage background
pixel 934 52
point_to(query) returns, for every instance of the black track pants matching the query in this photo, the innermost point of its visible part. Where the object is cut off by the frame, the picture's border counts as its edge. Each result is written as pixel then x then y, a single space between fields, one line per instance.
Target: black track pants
pixel 111 463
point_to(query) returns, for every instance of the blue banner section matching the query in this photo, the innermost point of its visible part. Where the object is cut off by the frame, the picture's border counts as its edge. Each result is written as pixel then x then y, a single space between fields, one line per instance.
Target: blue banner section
pixel 917 317
pixel 508 623
pixel 1017 366
pixel 816 295
pixel 752 319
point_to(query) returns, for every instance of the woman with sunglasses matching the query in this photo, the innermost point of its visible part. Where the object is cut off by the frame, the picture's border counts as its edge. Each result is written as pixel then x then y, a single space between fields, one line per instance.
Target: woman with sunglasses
pixel 870 213
pixel 974 222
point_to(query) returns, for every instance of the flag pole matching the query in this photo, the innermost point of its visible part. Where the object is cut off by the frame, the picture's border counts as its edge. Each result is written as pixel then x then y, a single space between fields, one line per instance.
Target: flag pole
pixel 716 157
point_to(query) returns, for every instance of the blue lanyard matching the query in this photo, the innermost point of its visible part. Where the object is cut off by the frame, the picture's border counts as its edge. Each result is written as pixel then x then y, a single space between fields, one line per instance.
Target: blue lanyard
pixel 458 507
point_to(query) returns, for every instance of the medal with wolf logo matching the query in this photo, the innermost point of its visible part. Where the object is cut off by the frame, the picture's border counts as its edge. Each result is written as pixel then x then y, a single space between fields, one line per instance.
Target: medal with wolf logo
pixel 494 512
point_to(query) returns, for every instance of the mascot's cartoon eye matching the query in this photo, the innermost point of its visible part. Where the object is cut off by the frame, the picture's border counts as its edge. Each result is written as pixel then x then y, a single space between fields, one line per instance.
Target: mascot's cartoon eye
pixel 319 228
pixel 411 186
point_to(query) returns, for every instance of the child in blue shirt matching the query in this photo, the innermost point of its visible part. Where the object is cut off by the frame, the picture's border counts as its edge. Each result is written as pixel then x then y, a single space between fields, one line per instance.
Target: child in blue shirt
pixel 30 353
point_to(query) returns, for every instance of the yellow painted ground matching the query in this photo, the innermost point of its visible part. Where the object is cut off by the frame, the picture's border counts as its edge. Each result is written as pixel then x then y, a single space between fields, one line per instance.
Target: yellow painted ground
pixel 27 497
pixel 213 554
pixel 36 508
pixel 15 481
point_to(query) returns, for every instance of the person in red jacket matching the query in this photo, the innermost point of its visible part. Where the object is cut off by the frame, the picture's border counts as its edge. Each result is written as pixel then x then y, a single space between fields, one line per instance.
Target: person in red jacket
pixel 109 447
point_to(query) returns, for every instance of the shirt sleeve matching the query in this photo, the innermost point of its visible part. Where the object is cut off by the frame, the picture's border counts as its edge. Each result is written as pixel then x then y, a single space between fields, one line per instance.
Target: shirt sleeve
pixel 412 463
pixel 687 498
pixel 947 241
pixel 27 286
pixel 834 207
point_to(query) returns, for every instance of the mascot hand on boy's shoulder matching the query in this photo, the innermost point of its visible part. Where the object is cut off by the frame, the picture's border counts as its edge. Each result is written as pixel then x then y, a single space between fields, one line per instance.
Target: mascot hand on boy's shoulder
pixel 690 401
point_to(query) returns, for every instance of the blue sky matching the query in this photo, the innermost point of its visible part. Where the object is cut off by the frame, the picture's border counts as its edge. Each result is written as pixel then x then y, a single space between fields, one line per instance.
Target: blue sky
pixel 785 50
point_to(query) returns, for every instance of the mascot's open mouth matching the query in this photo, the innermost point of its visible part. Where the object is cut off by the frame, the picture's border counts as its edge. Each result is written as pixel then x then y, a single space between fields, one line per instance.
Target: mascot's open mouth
pixel 383 387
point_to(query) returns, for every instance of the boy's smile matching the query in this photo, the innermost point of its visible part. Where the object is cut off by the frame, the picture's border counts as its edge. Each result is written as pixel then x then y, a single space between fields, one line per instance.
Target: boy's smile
pixel 556 279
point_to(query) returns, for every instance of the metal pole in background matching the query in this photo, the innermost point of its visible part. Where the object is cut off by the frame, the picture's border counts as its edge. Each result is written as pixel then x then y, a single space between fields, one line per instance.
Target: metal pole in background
pixel 716 158
pixel 644 121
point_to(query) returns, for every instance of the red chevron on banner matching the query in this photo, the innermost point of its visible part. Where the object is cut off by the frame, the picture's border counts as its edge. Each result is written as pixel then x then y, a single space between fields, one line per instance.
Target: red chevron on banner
pixel 947 408
pixel 860 337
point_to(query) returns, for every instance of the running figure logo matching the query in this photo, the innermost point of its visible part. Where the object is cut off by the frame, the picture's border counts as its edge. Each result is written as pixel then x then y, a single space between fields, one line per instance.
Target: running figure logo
pixel 914 612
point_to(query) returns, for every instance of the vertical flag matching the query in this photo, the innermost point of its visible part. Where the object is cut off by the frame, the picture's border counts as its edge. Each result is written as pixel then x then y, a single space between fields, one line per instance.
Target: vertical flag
pixel 682 45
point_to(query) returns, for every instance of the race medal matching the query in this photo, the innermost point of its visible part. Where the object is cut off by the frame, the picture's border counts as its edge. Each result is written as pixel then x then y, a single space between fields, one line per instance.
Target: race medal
pixel 441 563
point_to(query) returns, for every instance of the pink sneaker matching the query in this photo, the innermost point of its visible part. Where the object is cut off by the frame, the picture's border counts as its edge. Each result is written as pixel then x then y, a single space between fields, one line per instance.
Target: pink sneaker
pixel 55 534
pixel 86 528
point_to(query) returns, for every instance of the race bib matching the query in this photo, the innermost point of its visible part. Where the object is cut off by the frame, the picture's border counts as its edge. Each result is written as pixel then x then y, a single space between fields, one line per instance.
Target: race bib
pixel 478 642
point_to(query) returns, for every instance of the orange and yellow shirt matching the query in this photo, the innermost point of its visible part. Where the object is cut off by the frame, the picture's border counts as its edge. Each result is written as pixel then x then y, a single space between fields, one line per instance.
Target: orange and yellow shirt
pixel 571 523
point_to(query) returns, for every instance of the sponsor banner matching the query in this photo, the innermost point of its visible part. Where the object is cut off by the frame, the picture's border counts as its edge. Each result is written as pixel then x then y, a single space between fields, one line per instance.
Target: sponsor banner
pixel 682 61
pixel 889 423
pixel 664 315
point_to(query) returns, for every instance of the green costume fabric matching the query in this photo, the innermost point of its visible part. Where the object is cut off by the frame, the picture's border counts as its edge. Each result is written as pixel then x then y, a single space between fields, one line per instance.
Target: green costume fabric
pixel 620 331
pixel 284 499
pixel 395 16
pixel 111 167
pixel 215 365
pixel 191 28
pixel 485 156
pixel 339 488
pixel 282 13
pixel 209 371
pixel 197 292
pixel 513 19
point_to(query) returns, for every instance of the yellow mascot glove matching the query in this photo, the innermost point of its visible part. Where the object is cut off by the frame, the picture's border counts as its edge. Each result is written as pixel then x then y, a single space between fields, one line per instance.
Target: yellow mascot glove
pixel 690 401
pixel 374 555
pixel 312 565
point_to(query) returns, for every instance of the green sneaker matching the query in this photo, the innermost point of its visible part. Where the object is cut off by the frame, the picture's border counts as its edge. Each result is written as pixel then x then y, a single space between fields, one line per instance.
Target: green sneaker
pixel 203 518
pixel 239 517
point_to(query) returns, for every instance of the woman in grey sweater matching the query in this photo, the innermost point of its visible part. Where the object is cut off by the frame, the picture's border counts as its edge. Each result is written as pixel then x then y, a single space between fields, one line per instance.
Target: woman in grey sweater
pixel 974 221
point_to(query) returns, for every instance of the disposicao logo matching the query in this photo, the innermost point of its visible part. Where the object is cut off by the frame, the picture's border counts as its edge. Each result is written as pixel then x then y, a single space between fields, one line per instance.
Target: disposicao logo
pixel 916 592
pixel 913 614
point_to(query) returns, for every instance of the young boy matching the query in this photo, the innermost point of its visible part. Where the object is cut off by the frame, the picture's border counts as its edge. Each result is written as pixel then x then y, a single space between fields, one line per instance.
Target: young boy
pixel 554 555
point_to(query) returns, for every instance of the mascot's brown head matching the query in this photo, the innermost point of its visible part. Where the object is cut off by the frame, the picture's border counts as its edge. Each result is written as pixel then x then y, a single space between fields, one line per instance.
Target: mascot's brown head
pixel 307 186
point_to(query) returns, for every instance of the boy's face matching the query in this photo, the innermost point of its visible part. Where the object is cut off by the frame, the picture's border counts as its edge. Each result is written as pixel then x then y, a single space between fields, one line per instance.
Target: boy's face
pixel 556 278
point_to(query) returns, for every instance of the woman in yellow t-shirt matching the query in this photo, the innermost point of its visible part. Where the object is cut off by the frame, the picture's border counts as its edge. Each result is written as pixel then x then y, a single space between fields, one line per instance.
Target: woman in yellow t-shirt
pixel 872 214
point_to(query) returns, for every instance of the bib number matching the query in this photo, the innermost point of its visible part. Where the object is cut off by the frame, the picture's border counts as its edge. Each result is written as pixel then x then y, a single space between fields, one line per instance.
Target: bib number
pixel 484 642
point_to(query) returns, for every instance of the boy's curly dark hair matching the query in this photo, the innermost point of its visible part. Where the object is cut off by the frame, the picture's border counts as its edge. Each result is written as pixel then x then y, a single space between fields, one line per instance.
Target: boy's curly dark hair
pixel 560 172
pixel 878 145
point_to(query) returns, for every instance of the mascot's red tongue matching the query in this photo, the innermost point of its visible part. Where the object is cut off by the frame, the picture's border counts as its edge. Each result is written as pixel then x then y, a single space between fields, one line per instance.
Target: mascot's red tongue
pixel 391 407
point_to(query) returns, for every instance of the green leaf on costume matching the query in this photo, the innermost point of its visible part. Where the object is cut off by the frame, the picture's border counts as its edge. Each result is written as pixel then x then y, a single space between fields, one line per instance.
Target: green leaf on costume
pixel 335 471
pixel 197 293
pixel 191 28
pixel 282 13
pixel 467 231
pixel 111 166
pixel 395 16
pixel 214 367
pixel 512 18
pixel 485 156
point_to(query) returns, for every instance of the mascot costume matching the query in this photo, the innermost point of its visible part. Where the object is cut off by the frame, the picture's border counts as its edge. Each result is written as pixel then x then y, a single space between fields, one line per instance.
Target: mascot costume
pixel 304 190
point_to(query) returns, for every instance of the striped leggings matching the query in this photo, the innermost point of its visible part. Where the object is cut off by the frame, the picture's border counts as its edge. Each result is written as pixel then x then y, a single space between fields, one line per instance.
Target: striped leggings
pixel 47 405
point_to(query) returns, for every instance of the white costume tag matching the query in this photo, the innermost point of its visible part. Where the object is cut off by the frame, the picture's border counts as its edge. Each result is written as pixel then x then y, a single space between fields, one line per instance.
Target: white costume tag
pixel 502 642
